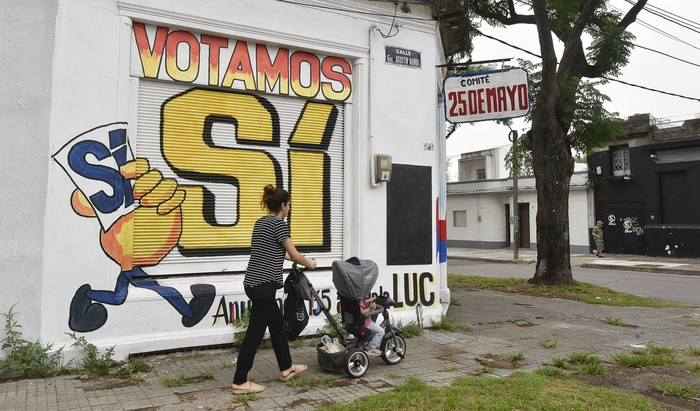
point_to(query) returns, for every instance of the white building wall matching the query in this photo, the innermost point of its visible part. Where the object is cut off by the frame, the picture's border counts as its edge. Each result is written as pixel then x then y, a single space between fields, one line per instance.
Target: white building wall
pixel 492 161
pixel 26 53
pixel 82 79
pixel 488 200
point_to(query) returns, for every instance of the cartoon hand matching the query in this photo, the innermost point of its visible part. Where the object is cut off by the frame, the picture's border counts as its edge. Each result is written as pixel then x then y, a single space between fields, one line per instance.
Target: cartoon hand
pixel 145 236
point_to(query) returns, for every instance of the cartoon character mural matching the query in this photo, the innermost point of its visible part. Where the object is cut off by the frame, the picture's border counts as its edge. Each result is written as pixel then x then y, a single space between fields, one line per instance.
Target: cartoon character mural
pixel 101 165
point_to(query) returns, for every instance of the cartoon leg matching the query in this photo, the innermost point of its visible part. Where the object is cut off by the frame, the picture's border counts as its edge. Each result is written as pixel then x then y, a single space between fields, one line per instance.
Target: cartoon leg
pixel 85 316
pixel 116 297
pixel 202 298
pixel 192 313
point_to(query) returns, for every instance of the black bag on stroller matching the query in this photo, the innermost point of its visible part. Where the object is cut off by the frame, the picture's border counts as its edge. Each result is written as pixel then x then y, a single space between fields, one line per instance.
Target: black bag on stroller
pixel 295 314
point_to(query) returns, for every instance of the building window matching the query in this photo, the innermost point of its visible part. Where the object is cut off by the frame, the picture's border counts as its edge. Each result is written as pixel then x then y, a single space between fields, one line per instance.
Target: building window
pixel 459 218
pixel 620 160
pixel 481 174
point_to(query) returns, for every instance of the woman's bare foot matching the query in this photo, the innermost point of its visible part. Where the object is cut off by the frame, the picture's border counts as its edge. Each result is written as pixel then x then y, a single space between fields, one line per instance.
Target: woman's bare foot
pixel 296 369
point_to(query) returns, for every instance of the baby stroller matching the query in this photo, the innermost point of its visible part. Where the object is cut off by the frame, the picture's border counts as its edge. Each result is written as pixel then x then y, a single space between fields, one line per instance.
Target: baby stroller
pixel 354 280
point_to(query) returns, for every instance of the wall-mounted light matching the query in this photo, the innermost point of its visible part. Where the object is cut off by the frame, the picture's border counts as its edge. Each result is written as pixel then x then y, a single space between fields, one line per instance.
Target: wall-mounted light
pixel 382 168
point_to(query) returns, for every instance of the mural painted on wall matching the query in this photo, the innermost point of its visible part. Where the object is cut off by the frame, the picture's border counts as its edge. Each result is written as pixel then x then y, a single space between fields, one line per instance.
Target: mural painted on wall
pixel 408 290
pixel 192 191
pixel 168 54
pixel 101 165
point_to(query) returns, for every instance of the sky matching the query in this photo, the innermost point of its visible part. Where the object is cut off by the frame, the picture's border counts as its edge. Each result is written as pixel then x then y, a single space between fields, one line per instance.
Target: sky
pixel 645 68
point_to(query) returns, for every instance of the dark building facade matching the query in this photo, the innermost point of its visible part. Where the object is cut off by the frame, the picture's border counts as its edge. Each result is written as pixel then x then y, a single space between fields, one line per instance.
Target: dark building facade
pixel 647 188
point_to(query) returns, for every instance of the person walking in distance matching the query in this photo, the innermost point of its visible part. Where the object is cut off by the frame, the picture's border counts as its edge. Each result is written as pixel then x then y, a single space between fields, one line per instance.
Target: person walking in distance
pixel 598 237
pixel 271 244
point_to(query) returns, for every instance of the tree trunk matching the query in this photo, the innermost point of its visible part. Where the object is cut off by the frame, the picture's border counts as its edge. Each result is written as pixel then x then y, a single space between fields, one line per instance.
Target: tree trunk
pixel 553 167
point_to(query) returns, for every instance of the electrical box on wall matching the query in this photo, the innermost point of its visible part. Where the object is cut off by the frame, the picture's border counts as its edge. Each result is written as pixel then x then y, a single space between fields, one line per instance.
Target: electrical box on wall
pixel 382 168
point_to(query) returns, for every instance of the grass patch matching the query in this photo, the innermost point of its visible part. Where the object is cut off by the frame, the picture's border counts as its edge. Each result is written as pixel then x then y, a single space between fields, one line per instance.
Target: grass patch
pixel 206 375
pixel 131 368
pixel 298 343
pixel 412 329
pixel 597 369
pixel 652 356
pixel 549 371
pixel 30 359
pixel 560 363
pixel 516 357
pixel 448 369
pixel 696 369
pixel 483 369
pixel 577 291
pixel 584 359
pixel 680 389
pixel 549 344
pixel 93 362
pixel 521 391
pixel 587 363
pixel 448 324
pixel 178 381
pixel 616 321
pixel 243 398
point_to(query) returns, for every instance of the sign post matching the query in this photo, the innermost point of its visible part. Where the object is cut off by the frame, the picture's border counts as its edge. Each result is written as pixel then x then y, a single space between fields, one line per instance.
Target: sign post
pixel 491 95
pixel 513 136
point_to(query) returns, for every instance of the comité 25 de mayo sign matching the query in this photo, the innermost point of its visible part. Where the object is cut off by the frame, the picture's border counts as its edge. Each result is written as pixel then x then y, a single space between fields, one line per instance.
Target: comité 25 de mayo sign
pixel 490 95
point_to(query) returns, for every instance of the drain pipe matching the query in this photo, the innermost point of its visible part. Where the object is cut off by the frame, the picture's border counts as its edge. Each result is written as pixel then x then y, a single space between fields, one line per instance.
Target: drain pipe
pixel 370 103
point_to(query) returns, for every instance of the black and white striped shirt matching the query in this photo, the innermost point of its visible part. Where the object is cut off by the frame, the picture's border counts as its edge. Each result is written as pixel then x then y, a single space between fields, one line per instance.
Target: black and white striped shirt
pixel 266 252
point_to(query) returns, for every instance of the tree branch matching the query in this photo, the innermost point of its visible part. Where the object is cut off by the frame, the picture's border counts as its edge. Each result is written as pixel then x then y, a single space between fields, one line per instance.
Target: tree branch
pixel 509 19
pixel 573 47
pixel 631 15
pixel 548 87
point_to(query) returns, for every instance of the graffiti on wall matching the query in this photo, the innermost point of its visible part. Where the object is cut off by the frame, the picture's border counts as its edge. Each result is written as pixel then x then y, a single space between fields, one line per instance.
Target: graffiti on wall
pixel 101 165
pixel 160 203
pixel 408 290
pixel 170 54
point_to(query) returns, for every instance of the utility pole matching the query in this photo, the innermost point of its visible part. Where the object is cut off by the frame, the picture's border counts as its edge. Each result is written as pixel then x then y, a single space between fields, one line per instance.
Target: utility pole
pixel 513 137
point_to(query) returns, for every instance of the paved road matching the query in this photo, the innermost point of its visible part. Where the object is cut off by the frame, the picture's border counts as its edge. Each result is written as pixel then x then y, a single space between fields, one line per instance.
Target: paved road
pixel 683 289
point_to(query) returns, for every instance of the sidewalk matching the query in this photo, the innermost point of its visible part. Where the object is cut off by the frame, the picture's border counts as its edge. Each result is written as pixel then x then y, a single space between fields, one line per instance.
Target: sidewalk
pixel 502 325
pixel 670 265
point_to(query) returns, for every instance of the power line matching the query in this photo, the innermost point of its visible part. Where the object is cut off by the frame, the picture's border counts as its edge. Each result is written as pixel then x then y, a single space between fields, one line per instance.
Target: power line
pixel 657 11
pixel 627 42
pixel 367 13
pixel 603 77
pixel 508 44
pixel 658 30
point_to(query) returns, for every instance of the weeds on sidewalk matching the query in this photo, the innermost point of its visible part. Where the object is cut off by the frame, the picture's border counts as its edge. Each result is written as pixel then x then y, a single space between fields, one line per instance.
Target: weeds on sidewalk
pixel 94 363
pixel 26 358
pixel 447 324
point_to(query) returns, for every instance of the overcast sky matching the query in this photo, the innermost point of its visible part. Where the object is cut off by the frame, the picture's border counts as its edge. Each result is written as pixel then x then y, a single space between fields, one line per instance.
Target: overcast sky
pixel 645 68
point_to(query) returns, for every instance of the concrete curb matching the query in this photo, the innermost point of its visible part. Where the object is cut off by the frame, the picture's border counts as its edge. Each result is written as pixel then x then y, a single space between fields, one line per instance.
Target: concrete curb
pixel 647 268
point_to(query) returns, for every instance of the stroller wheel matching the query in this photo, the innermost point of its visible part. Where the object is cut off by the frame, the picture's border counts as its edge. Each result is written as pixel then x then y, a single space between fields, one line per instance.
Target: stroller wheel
pixel 356 364
pixel 393 349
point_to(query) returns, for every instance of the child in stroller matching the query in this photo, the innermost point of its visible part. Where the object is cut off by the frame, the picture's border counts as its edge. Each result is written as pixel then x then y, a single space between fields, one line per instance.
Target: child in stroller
pixel 354 280
pixel 358 320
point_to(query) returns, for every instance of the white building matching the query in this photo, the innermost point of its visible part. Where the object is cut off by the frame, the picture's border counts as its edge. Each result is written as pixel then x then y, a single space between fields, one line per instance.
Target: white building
pixel 220 98
pixel 479 208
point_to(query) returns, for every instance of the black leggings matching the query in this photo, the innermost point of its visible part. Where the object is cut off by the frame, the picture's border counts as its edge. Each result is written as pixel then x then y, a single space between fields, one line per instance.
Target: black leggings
pixel 264 313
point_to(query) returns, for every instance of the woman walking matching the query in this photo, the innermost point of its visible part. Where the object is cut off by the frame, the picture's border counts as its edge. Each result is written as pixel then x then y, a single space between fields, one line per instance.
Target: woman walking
pixel 271 244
